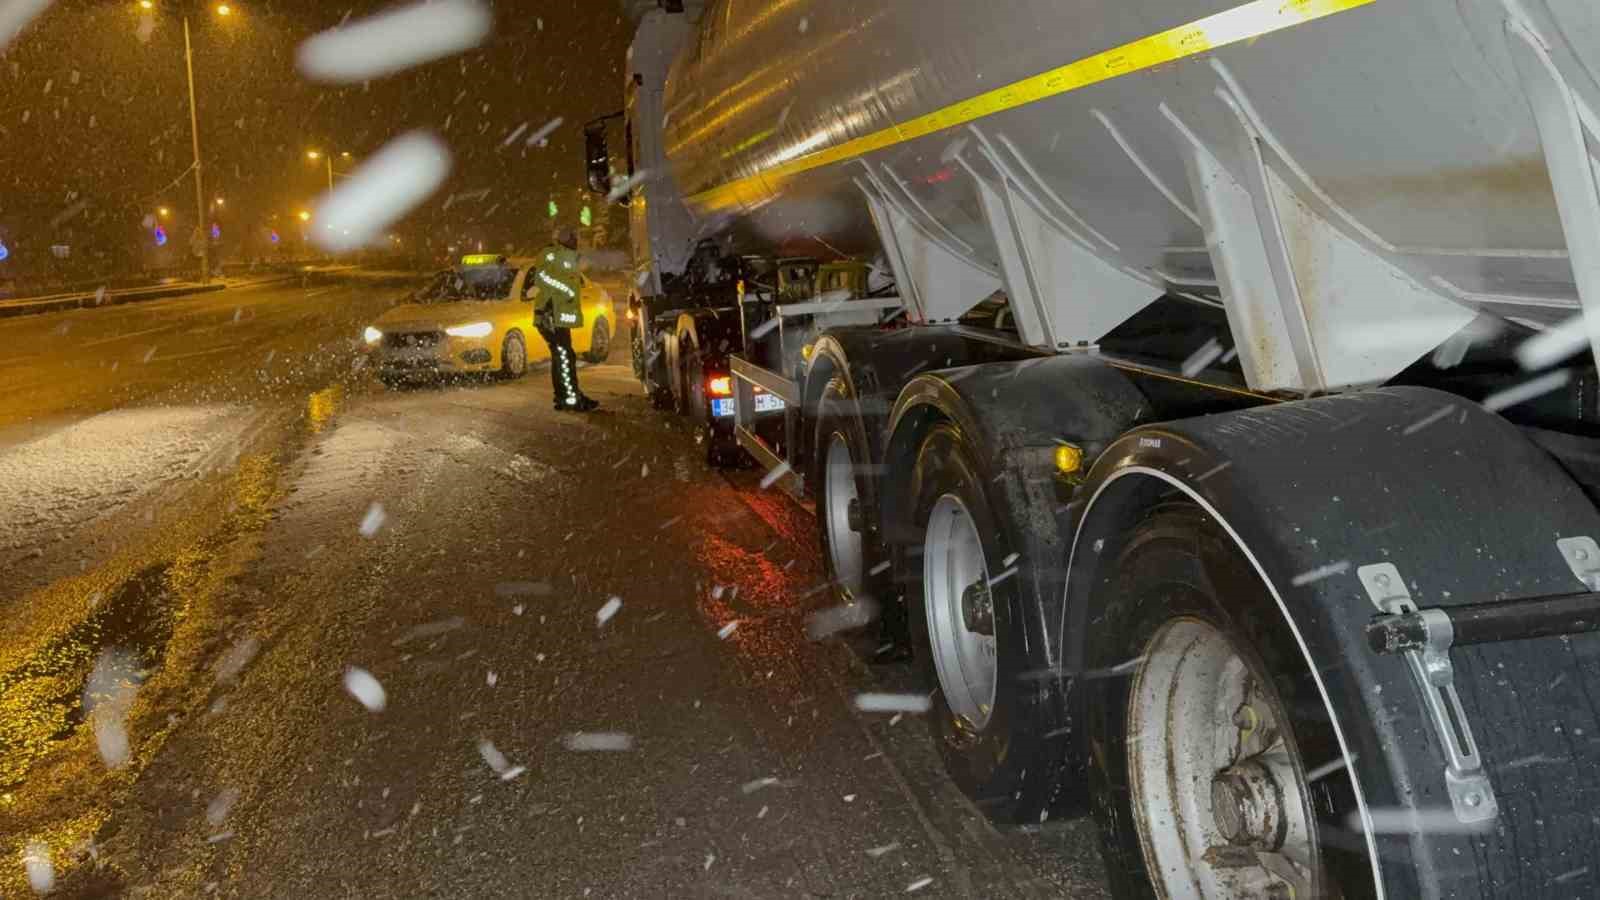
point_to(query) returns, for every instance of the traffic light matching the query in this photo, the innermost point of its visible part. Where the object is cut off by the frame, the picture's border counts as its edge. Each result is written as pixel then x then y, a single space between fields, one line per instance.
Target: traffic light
pixel 161 236
pixel 273 235
pixel 553 209
pixel 586 217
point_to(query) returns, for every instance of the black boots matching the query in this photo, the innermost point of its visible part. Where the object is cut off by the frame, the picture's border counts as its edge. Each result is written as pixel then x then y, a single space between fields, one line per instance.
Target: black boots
pixel 582 404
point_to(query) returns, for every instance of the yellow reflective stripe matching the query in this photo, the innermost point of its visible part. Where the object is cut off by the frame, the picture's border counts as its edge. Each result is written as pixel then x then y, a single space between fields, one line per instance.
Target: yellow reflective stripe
pixel 1242 23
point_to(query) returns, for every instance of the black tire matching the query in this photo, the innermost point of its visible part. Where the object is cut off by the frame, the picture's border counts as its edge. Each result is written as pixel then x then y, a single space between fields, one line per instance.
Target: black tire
pixel 599 343
pixel 1001 766
pixel 660 396
pixel 1178 565
pixel 513 356
pixel 838 418
pixel 683 397
pixel 694 389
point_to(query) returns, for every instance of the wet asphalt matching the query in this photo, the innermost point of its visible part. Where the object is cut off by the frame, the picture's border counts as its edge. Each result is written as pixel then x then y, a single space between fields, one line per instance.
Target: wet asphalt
pixel 461 544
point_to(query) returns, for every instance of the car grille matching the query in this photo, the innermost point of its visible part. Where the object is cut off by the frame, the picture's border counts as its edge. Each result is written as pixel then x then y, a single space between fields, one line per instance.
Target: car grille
pixel 407 340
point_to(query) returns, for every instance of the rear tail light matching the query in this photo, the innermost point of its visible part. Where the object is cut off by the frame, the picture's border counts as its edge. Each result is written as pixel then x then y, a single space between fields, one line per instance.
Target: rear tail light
pixel 720 386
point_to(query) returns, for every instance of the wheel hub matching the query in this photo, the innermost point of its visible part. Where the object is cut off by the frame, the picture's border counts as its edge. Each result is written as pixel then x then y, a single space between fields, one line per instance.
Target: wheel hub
pixel 841 515
pixel 977 608
pixel 1218 796
pixel 1248 804
pixel 960 612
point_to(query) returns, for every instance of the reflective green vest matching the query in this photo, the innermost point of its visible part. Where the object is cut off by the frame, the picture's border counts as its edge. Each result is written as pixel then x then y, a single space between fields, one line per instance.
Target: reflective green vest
pixel 556 276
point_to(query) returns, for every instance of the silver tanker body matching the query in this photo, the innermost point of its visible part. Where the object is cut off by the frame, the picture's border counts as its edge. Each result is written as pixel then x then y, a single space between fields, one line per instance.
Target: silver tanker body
pixel 1405 125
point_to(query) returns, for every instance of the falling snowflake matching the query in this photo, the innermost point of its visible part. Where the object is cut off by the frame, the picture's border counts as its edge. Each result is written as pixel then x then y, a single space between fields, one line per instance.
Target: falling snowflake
pixel 365 688
pixel 373 520
pixel 395 40
pixel 897 703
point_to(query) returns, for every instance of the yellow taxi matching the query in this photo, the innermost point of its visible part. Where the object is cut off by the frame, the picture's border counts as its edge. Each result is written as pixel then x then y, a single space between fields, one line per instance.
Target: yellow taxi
pixel 478 318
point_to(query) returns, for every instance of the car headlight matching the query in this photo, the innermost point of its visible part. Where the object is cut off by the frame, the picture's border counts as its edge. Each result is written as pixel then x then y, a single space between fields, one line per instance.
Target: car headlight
pixel 472 330
pixel 372 335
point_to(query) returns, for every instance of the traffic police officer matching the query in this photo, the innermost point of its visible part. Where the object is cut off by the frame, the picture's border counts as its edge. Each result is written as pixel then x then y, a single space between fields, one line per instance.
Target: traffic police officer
pixel 557 310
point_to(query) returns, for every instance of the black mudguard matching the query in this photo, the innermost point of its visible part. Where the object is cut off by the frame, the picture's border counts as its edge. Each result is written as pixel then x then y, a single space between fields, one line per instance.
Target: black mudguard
pixel 1013 415
pixel 1468 510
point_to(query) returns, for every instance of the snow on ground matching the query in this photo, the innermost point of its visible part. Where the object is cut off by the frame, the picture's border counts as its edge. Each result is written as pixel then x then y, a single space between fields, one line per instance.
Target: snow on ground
pixel 57 483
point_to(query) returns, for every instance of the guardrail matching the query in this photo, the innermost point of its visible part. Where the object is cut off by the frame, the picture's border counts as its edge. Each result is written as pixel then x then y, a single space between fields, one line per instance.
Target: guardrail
pixel 28 306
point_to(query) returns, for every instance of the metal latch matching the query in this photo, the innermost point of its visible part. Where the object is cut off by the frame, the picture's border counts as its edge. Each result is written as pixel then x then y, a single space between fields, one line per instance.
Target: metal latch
pixel 1470 792
pixel 1583 558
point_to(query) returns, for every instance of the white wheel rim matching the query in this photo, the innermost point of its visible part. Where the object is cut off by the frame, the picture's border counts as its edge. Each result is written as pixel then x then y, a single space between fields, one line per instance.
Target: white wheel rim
pixel 952 565
pixel 839 492
pixel 1200 714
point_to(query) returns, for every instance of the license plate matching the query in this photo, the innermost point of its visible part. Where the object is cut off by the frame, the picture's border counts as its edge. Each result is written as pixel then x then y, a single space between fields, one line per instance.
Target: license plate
pixel 722 408
pixel 768 402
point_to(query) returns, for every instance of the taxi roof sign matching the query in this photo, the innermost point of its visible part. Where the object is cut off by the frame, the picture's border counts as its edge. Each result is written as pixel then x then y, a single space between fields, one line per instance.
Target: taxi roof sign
pixel 482 259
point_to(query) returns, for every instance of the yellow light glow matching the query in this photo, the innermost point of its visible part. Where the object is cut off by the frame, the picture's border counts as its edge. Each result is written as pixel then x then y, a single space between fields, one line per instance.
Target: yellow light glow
pixel 313 154
pixel 473 330
pixel 305 216
pixel 1069 459
pixel 224 9
pixel 163 212
pixel 147 4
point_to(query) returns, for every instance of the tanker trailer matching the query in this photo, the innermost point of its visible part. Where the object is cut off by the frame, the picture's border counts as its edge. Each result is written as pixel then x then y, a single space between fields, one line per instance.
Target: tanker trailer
pixel 1225 455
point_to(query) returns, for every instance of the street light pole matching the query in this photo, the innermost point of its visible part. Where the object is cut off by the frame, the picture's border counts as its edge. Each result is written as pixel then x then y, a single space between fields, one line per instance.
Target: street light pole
pixel 199 188
pixel 329 158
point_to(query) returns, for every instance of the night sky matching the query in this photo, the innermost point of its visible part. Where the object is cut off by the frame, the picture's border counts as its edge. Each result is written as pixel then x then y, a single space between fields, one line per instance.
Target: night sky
pixel 94 118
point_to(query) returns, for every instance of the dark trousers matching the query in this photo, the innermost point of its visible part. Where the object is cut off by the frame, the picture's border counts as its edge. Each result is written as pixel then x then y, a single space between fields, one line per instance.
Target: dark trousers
pixel 563 365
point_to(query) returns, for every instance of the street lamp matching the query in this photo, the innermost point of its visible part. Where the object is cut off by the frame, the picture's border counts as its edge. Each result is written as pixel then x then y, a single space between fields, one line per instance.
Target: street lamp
pixel 224 10
pixel 305 216
pixel 163 212
pixel 328 158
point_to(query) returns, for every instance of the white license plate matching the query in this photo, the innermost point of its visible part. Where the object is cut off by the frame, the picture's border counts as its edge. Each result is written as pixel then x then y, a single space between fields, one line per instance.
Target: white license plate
pixel 768 402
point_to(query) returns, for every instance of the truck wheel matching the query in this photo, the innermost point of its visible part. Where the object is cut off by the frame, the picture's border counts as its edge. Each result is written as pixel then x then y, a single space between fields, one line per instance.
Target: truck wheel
pixel 846 511
pixel 660 394
pixel 968 636
pixel 681 402
pixel 1205 722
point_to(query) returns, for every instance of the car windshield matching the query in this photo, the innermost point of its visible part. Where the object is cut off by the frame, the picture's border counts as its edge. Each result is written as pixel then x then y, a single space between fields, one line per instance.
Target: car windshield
pixel 470 283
